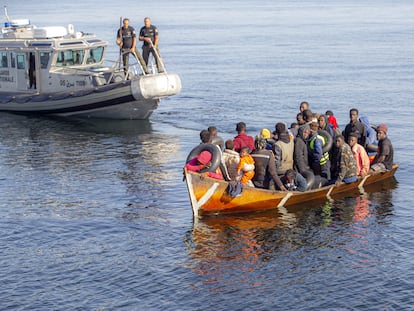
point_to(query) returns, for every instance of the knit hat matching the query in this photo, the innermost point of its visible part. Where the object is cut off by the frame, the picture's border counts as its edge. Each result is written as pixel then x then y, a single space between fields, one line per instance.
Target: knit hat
pixel 382 128
pixel 265 133
pixel 204 157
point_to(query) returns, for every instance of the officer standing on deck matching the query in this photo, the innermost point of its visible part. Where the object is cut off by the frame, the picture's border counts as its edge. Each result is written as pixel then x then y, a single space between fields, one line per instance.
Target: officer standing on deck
pixel 149 35
pixel 127 41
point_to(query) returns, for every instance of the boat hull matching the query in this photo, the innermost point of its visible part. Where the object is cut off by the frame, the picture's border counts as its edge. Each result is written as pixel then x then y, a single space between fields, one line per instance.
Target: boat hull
pixel 130 99
pixel 209 196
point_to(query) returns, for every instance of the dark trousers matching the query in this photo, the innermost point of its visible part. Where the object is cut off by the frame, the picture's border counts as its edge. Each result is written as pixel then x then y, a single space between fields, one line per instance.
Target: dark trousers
pixel 146 50
pixel 125 59
pixel 322 170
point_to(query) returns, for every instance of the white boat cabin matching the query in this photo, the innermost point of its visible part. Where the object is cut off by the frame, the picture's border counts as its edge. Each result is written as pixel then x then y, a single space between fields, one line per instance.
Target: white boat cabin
pixel 49 59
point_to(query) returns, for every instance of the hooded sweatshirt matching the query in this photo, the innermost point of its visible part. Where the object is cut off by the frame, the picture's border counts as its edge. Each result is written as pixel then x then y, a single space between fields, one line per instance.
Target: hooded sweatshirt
pixel 371 134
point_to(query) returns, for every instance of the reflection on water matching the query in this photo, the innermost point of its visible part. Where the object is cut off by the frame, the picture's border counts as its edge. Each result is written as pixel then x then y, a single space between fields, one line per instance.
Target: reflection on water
pixel 70 164
pixel 220 246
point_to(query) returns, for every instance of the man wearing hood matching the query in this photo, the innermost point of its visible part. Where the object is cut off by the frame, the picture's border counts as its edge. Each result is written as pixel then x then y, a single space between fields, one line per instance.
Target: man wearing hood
pixel 265 175
pixel 325 125
pixel 283 149
pixel 372 141
pixel 300 156
pixel 319 160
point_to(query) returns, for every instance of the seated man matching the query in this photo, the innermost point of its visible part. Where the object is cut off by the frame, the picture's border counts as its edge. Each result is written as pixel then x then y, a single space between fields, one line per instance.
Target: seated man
pixel 242 139
pixel 265 175
pixel 283 149
pixel 301 159
pixel 360 155
pixel 371 141
pixel 294 181
pixel 347 165
pixel 355 126
pixel 231 159
pixel 384 158
pixel 319 160
pixel 202 161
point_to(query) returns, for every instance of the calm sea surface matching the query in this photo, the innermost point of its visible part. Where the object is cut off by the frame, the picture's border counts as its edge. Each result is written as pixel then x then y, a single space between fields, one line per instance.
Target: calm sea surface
pixel 94 215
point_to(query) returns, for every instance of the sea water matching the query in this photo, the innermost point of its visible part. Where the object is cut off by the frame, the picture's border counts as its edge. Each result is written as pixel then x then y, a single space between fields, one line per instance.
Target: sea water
pixel 94 214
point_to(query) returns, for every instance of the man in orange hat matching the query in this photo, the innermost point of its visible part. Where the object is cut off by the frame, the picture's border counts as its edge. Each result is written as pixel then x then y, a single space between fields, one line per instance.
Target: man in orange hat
pixel 384 158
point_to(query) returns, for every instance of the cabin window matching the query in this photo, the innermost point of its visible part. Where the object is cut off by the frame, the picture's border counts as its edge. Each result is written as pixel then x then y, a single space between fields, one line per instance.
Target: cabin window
pixel 13 59
pixel 4 62
pixel 44 59
pixel 70 58
pixel 20 62
pixel 77 57
pixel 95 55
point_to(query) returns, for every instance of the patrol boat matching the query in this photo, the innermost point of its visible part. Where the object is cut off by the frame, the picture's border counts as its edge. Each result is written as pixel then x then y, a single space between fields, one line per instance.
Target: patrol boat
pixel 59 71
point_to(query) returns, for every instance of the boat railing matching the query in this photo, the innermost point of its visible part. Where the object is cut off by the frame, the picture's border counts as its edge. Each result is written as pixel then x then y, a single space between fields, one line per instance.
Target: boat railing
pixel 107 73
pixel 101 75
pixel 134 66
pixel 111 71
pixel 153 61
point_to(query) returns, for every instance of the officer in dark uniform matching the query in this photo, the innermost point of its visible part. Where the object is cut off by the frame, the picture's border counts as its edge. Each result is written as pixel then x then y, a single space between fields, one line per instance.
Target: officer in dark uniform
pixel 127 41
pixel 149 35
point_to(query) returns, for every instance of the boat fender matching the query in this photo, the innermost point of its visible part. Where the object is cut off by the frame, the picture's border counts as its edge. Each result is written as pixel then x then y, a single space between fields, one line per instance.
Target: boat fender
pixel 328 140
pixel 217 140
pixel 215 161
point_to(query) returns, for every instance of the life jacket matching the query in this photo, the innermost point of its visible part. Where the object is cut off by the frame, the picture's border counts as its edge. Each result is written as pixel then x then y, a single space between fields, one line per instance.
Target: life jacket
pixel 325 155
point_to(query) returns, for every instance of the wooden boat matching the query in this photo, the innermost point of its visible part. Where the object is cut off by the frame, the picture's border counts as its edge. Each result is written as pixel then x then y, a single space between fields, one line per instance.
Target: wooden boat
pixel 58 71
pixel 210 196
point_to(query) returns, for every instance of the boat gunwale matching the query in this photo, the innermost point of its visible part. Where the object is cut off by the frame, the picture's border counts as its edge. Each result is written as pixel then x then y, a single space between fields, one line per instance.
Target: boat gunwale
pixel 295 198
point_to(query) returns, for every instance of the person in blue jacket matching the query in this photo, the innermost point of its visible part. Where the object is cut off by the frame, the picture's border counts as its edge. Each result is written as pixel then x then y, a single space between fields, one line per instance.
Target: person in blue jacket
pixel 371 141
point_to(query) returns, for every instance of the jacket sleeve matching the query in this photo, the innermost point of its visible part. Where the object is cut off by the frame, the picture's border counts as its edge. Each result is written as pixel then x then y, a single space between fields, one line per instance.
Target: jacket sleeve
pixel 278 155
pixel 300 182
pixel 272 171
pixel 299 157
pixel 317 152
pixel 363 136
pixel 365 161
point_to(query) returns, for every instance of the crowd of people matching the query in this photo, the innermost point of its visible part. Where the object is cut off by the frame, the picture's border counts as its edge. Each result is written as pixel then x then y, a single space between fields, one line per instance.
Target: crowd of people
pixel 311 153
pixel 126 38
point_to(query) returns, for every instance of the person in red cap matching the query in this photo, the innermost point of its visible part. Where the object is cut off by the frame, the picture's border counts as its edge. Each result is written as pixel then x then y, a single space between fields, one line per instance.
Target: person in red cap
pixel 384 158
pixel 202 161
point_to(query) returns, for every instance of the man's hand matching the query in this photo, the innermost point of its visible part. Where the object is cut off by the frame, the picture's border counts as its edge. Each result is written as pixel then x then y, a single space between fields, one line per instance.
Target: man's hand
pixel 283 188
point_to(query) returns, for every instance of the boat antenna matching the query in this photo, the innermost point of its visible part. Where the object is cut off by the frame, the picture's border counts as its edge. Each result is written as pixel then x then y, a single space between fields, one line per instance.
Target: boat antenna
pixel 7 15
